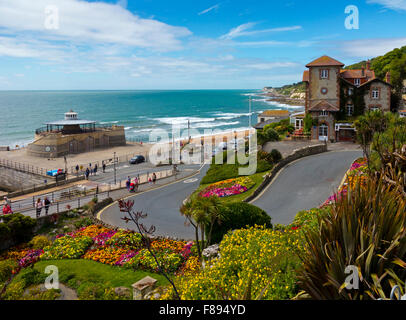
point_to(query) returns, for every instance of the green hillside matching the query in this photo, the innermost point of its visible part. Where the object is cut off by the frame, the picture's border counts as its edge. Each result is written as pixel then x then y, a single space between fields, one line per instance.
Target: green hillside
pixel 393 61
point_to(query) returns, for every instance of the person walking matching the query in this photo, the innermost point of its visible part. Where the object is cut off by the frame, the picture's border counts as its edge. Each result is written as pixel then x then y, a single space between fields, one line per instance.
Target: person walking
pixel 47 204
pixel 136 184
pixel 7 201
pixel 154 177
pixel 77 169
pixel 104 167
pixel 38 207
pixel 95 169
pixel 7 209
pixel 128 183
pixel 87 173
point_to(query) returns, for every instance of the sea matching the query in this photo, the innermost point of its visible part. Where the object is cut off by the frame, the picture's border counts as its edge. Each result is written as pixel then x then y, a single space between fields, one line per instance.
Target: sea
pixel 140 112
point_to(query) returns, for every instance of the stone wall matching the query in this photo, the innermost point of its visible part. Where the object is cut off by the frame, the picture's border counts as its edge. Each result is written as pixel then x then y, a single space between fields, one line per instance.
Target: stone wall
pixel 296 154
pixel 12 180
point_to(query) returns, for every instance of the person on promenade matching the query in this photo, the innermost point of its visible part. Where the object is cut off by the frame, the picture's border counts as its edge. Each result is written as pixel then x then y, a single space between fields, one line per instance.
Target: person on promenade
pixel 154 177
pixel 128 183
pixel 38 207
pixel 47 204
pixel 149 180
pixel 77 169
pixel 104 167
pixel 7 209
pixel 87 173
pixel 95 169
pixel 136 184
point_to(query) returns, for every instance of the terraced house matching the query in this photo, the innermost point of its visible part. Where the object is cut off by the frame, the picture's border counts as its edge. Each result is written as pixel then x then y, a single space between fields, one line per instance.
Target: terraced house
pixel 336 96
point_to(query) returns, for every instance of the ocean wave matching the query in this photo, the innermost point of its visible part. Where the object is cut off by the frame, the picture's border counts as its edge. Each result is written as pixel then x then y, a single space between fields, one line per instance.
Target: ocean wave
pixel 214 125
pixel 230 115
pixel 107 122
pixel 184 120
pixel 127 128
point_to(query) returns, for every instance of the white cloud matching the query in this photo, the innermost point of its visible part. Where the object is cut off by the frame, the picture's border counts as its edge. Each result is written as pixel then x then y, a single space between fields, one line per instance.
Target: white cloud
pixel 215 7
pixel 84 22
pixel 371 47
pixel 240 31
pixel 391 4
pixel 272 65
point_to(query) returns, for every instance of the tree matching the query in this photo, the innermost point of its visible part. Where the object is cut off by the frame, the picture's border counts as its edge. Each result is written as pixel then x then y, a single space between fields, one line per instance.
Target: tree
pixel 202 213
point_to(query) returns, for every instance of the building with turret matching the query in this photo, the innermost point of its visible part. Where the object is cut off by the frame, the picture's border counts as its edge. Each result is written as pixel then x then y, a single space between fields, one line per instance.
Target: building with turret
pixel 336 96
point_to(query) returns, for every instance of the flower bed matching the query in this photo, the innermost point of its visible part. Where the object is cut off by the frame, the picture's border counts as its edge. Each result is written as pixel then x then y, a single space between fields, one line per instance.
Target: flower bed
pixel 228 187
pixel 67 247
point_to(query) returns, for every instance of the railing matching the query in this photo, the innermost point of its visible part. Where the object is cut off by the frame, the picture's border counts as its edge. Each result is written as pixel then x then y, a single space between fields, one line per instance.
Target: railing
pixel 24 167
pixel 82 129
pixel 77 194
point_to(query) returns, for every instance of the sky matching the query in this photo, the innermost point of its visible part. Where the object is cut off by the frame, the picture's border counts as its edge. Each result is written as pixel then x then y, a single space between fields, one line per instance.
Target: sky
pixel 161 44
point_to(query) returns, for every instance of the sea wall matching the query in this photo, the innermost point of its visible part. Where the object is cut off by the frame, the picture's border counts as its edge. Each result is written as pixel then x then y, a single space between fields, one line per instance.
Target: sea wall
pixel 296 154
pixel 12 180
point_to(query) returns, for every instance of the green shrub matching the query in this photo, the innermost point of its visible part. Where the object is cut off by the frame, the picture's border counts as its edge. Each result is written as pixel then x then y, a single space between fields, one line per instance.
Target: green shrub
pixel 6 268
pixel 40 242
pixel 32 276
pixel 275 155
pixel 17 228
pixel 239 215
pixel 267 135
pixel 83 222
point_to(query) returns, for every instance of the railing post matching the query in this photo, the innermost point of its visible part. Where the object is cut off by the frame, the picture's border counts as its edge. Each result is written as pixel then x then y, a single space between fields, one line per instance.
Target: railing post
pixel 57 207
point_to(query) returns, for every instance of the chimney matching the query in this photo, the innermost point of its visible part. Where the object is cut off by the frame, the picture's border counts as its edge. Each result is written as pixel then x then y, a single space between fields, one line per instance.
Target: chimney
pixel 387 77
pixel 369 64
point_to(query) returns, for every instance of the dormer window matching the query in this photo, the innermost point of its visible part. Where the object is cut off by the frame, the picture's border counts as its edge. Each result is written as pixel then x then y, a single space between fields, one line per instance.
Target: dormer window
pixel 323 113
pixel 324 74
pixel 375 93
pixel 357 82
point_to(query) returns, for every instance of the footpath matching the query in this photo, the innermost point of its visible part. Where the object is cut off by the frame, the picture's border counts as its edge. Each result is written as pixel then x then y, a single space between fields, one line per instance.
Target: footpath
pixel 114 194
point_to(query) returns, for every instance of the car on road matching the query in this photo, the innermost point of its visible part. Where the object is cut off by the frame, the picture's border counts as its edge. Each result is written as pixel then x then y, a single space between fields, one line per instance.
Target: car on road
pixel 137 159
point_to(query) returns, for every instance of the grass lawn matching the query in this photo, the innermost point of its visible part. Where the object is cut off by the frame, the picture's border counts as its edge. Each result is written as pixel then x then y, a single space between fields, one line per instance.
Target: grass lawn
pixel 257 178
pixel 75 272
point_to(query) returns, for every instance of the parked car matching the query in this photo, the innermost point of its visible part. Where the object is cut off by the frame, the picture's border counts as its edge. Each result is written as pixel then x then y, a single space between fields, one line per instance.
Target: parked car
pixel 137 159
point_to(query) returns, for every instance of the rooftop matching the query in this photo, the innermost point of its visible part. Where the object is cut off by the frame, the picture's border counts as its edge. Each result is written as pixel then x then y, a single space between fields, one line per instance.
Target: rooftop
pixel 325 61
pixel 275 113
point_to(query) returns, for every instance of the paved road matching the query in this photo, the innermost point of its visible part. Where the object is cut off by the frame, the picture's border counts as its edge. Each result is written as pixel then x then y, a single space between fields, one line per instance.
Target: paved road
pixel 162 206
pixel 304 184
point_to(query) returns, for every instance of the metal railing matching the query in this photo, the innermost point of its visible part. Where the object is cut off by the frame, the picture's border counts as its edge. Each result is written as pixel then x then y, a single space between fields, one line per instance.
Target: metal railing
pixel 24 167
pixel 76 194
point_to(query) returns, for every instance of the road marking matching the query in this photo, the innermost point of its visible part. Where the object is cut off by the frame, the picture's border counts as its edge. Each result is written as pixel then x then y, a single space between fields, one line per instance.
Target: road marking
pixel 190 180
pixel 142 192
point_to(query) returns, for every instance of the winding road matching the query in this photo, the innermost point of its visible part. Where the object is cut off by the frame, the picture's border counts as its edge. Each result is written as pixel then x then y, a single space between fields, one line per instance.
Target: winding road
pixel 162 206
pixel 304 184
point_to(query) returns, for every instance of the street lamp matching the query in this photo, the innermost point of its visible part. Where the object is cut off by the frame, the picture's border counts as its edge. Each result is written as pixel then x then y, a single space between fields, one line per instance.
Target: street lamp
pixel 114 164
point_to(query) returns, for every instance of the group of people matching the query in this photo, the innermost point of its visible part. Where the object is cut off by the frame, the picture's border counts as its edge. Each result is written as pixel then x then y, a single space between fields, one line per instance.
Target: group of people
pixel 46 203
pixel 132 186
pixel 7 206
pixel 90 170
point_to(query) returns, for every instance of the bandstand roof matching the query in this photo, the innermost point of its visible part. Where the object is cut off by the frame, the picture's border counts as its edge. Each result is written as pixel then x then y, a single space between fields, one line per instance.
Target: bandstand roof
pixel 70 122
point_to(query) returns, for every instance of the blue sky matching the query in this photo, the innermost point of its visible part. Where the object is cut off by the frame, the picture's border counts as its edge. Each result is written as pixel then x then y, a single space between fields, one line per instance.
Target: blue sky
pixel 151 44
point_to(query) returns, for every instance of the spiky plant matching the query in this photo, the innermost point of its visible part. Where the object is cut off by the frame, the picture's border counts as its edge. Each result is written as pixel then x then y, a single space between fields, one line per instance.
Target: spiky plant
pixel 366 229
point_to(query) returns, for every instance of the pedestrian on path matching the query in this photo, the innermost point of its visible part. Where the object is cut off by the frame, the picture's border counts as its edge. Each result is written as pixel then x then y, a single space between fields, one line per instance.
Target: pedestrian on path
pixel 77 169
pixel 38 207
pixel 95 169
pixel 47 204
pixel 128 183
pixel 7 209
pixel 154 177
pixel 136 182
pixel 149 180
pixel 87 173
pixel 104 167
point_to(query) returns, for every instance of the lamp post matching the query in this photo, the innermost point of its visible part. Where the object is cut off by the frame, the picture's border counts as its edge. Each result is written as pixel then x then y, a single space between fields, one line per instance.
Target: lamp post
pixel 114 164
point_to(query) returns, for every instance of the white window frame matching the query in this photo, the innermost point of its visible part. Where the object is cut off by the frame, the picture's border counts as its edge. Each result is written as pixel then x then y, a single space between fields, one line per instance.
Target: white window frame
pixel 324 113
pixel 299 123
pixel 350 91
pixel 357 82
pixel 349 109
pixel 375 93
pixel 324 73
pixel 376 108
pixel 323 130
